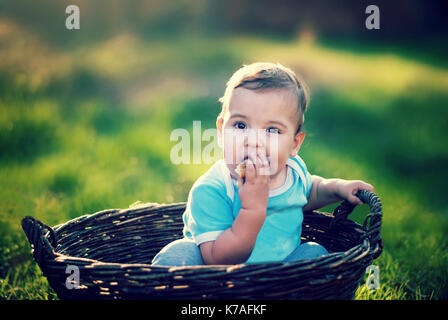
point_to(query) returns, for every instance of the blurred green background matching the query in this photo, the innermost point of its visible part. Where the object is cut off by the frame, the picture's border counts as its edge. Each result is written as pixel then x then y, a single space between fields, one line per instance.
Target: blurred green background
pixel 86 115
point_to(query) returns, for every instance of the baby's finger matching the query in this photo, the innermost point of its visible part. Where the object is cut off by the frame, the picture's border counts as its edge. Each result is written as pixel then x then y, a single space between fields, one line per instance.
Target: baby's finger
pixel 261 168
pixel 264 170
pixel 366 186
pixel 251 172
pixel 252 155
pixel 354 200
pixel 239 182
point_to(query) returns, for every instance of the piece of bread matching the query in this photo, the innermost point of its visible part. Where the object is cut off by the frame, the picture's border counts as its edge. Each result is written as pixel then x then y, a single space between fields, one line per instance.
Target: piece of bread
pixel 241 170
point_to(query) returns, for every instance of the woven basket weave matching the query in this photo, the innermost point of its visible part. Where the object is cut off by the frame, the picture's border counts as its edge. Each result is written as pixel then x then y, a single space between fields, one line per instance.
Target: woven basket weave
pixel 112 250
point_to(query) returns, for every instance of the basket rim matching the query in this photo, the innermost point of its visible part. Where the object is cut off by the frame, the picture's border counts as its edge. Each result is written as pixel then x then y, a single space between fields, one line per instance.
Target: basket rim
pixel 364 247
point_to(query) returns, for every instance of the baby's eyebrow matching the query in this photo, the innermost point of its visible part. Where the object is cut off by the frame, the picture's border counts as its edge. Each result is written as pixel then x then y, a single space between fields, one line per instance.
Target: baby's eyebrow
pixel 238 115
pixel 278 122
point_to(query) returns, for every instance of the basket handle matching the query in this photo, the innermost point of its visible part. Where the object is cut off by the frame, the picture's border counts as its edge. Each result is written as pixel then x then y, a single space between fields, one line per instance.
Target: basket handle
pixel 372 222
pixel 36 232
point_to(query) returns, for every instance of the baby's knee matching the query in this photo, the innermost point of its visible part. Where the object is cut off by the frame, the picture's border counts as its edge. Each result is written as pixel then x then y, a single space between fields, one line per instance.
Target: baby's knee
pixel 315 249
pixel 181 252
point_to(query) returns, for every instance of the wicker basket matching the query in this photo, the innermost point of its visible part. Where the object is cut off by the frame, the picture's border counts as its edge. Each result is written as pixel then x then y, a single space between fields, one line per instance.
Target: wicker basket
pixel 112 250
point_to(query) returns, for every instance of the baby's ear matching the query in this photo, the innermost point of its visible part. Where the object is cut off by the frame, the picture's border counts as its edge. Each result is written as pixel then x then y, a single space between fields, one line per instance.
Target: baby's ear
pixel 297 143
pixel 219 123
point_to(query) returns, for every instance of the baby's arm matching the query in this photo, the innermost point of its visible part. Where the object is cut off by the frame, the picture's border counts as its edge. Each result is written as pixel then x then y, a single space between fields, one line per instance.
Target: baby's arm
pixel 327 191
pixel 235 244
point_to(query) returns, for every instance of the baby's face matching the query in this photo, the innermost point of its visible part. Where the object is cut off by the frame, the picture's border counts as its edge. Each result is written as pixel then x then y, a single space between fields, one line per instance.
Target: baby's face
pixel 260 121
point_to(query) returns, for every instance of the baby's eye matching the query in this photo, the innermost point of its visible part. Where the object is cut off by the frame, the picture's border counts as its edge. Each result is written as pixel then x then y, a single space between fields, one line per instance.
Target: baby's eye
pixel 272 130
pixel 240 125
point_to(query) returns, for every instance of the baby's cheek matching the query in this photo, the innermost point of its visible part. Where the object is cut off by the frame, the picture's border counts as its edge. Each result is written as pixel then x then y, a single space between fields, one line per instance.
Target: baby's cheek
pixel 232 151
pixel 278 154
pixel 274 165
pixel 272 152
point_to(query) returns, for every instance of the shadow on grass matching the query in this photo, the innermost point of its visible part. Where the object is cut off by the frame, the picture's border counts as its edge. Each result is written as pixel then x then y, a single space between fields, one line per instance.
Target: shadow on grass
pixel 24 140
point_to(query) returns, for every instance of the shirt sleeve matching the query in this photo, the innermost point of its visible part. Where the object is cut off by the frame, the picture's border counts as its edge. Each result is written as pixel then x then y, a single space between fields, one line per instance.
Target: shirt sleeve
pixel 308 181
pixel 208 213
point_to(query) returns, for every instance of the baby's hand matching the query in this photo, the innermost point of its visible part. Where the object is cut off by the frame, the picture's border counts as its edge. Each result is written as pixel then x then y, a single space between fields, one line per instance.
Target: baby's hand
pixel 254 189
pixel 348 188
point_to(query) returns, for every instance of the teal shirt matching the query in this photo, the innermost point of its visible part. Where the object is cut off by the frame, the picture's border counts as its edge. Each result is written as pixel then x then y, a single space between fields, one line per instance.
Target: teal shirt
pixel 213 204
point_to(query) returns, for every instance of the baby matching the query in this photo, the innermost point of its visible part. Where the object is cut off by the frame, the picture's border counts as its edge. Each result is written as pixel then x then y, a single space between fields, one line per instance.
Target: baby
pixel 248 207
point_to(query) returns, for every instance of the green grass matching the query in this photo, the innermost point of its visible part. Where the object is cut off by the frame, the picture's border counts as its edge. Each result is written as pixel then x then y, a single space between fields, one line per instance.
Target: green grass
pixel 89 129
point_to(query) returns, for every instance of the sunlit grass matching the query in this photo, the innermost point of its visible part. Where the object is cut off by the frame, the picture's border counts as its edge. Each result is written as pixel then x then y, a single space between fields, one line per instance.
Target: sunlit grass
pixel 343 69
pixel 26 282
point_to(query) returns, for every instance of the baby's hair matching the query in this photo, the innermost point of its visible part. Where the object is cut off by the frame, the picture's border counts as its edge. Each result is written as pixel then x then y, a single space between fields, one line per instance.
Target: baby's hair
pixel 264 75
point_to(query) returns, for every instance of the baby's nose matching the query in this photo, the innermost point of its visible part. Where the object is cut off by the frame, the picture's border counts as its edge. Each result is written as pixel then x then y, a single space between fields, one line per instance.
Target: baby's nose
pixel 255 138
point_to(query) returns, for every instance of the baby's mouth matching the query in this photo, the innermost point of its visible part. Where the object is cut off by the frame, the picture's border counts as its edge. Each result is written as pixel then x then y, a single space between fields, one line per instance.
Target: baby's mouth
pixel 245 158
